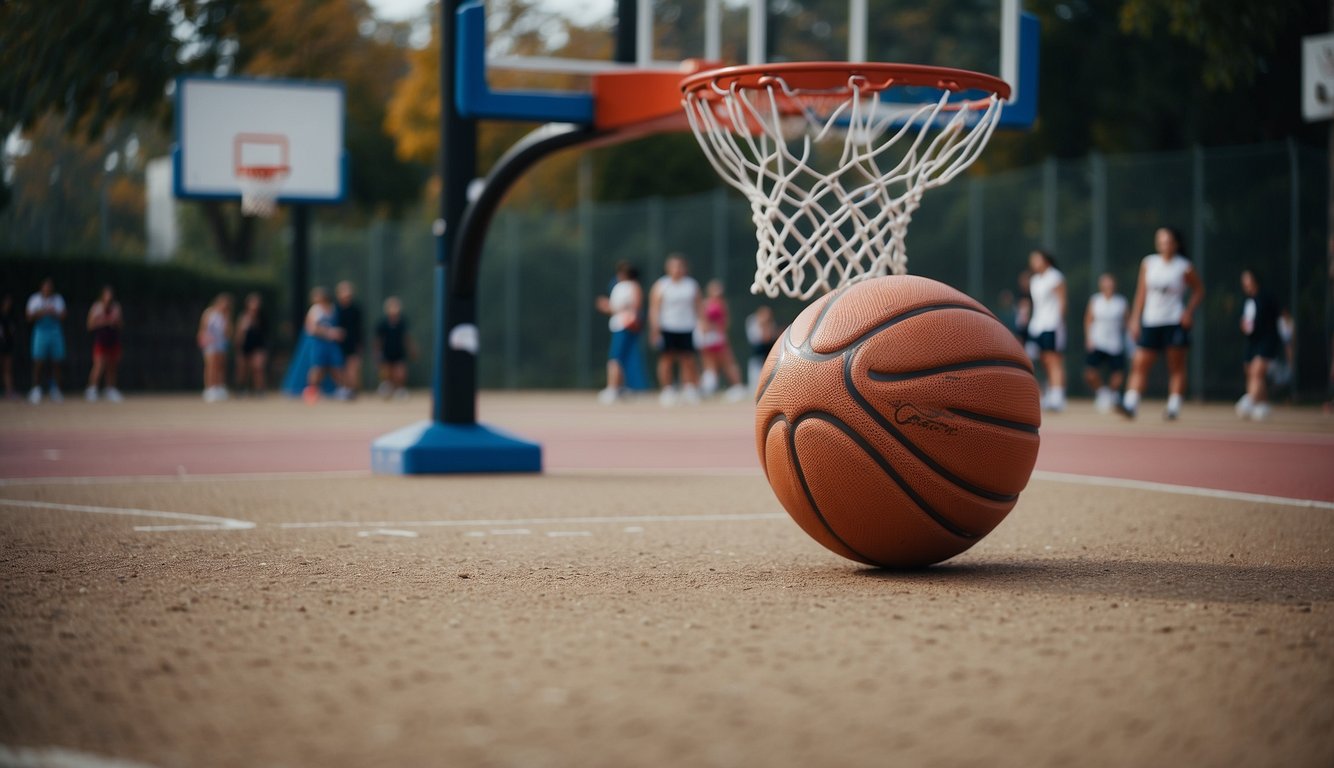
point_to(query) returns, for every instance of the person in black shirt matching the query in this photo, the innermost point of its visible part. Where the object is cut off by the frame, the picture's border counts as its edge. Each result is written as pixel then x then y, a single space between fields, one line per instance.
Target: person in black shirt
pixel 252 345
pixel 1259 324
pixel 348 318
pixel 393 346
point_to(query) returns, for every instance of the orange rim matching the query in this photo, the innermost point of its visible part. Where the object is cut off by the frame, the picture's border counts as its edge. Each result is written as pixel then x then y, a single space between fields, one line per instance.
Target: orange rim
pixel 263 172
pixel 835 77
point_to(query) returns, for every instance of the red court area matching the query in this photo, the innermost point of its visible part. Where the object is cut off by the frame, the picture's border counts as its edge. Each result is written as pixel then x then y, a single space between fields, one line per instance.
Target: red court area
pixel 1293 459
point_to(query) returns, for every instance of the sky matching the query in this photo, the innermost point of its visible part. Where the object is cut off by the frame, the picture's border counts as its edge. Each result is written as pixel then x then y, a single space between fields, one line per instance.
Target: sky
pixel 399 10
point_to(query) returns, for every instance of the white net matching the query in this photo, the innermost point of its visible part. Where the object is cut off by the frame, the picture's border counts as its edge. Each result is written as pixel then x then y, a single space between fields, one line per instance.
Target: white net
pixel 834 176
pixel 259 189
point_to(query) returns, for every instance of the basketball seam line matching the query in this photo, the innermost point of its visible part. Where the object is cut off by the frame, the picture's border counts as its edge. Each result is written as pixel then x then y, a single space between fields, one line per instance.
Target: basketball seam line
pixel 949 525
pixel 791 445
pixel 923 373
pixel 783 342
pixel 808 353
pixel 994 420
pixel 910 445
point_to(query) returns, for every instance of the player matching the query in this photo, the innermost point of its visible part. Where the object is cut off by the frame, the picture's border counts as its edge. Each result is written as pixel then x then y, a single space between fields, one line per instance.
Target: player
pixel 623 306
pixel 1046 326
pixel 1259 324
pixel 253 344
pixel 105 322
pixel 215 332
pixel 46 311
pixel 393 345
pixel 715 350
pixel 762 333
pixel 1105 340
pixel 347 316
pixel 326 355
pixel 674 306
pixel 1161 319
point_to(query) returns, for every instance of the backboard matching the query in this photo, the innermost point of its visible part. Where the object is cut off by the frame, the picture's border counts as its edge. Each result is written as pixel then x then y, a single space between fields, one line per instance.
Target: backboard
pixel 228 126
pixel 1318 77
pixel 993 37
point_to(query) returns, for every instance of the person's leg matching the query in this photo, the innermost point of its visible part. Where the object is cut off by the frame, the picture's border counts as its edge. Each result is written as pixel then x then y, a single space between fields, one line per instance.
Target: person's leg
pixel 400 374
pixel 1139 374
pixel 352 372
pixel 1054 364
pixel 1092 378
pixel 1176 380
pixel 95 374
pixel 665 359
pixel 1256 382
pixel 1117 377
pixel 259 364
pixel 38 367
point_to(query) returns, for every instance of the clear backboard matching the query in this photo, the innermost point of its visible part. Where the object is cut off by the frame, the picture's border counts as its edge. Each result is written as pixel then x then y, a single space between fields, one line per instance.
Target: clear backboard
pixel 229 129
pixel 993 37
pixel 1318 77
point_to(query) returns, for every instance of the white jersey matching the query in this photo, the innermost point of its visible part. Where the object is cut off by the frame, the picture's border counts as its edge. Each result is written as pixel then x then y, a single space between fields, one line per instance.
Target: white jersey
pixel 676 307
pixel 1107 332
pixel 1047 315
pixel 622 305
pixel 53 303
pixel 1164 290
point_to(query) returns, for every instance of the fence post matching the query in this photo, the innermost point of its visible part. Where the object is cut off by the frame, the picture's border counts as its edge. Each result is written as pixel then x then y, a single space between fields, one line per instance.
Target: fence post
pixel 1198 330
pixel 1294 253
pixel 1098 216
pixel 584 312
pixel 976 234
pixel 719 208
pixel 1049 204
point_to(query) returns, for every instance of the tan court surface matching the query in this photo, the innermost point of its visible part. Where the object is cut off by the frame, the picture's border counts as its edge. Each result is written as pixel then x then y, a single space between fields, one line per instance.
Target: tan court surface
pixel 634 616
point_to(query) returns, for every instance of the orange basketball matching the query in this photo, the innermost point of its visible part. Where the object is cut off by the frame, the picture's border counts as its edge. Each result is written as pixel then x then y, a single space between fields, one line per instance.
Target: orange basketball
pixel 897 421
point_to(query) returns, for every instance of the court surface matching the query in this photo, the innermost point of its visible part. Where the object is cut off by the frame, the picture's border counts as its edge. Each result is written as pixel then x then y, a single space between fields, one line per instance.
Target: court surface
pixel 185 584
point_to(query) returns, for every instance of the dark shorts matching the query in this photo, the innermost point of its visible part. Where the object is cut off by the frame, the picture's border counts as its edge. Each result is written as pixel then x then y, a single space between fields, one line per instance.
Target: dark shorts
pixel 393 356
pixel 678 342
pixel 326 354
pixel 1266 347
pixel 108 352
pixel 1099 359
pixel 1163 337
pixel 1049 341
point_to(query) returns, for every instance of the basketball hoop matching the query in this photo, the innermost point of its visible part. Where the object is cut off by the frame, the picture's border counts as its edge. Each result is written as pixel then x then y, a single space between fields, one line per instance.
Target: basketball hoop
pixel 259 188
pixel 833 167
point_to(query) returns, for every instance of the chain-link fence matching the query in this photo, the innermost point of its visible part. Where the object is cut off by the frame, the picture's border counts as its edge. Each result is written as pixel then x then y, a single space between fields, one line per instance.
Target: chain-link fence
pixel 1261 206
pixel 1258 206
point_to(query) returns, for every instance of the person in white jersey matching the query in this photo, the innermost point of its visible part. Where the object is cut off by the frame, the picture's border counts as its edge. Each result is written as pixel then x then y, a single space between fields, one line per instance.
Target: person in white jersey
pixel 1161 319
pixel 673 310
pixel 1046 327
pixel 1105 340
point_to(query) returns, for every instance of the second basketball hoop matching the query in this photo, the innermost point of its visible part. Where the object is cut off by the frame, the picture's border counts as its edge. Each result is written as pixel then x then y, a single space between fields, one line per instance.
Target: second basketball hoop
pixel 834 158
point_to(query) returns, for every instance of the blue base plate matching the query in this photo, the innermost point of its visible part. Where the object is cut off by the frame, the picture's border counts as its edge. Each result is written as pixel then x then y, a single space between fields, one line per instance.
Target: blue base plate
pixel 430 448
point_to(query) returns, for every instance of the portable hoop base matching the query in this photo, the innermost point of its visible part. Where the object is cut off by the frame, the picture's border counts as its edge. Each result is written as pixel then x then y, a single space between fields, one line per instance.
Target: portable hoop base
pixel 834 158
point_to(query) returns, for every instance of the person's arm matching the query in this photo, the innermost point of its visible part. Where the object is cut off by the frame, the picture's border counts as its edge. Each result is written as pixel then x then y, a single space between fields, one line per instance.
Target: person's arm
pixel 59 312
pixel 1060 297
pixel 1088 326
pixel 94 318
pixel 1196 297
pixel 1136 306
pixel 654 306
pixel 311 326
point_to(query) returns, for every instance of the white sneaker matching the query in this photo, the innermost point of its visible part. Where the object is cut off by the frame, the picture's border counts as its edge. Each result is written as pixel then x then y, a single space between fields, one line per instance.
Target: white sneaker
pixel 1260 412
pixel 1244 406
pixel 690 394
pixel 113 395
pixel 343 393
pixel 668 397
pixel 736 393
pixel 1104 401
pixel 708 383
pixel 55 396
pixel 401 394
pixel 35 395
pixel 608 396
pixel 90 394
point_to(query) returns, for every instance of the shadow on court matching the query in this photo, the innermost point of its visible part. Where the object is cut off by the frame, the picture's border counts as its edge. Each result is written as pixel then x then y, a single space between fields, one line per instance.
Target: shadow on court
pixel 1141 580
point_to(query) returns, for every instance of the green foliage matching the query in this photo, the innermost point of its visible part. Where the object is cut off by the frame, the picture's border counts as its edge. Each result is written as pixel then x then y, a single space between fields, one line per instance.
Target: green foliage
pixel 1233 37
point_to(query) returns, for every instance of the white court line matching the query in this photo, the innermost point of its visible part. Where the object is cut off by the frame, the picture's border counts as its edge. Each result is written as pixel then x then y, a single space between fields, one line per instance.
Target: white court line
pixel 59 757
pixel 491 523
pixel 1184 490
pixel 182 478
pixel 201 522
pixel 563 534
pixel 389 532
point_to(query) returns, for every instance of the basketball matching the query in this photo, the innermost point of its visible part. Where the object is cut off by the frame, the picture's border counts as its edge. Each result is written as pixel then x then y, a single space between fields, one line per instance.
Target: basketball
pixel 897 421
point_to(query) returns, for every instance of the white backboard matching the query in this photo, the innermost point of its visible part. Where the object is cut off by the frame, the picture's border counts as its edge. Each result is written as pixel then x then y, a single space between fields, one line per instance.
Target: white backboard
pixel 1318 77
pixel 226 125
